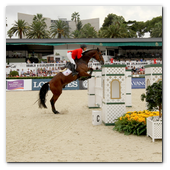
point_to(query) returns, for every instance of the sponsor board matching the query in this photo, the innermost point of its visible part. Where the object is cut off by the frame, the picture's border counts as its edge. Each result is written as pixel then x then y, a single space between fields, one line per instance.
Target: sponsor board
pixel 18 84
pixel 37 84
pixel 138 83
pixel 15 85
pixel 83 85
pixel 72 86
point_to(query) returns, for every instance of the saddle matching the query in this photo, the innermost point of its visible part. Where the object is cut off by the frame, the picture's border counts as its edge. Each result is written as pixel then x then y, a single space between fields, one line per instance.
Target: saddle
pixel 69 68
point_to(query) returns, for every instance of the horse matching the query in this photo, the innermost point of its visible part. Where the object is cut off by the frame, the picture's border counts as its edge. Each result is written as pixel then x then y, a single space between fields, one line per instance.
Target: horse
pixel 59 81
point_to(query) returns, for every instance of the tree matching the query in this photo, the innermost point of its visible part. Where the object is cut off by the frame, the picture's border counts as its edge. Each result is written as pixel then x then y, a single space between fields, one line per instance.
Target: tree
pixel 154 97
pixel 38 28
pixel 112 19
pixel 88 31
pixel 9 33
pixel 138 27
pixel 115 27
pixel 75 17
pixel 101 33
pixel 59 28
pixel 20 28
pixel 157 30
pixel 39 18
pixel 79 25
pixel 150 24
pixel 76 34
pixel 131 34
pixel 115 31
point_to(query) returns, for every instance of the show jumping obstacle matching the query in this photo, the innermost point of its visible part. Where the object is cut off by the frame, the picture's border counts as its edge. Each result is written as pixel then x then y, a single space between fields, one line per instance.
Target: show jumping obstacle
pixel 153 74
pixel 109 89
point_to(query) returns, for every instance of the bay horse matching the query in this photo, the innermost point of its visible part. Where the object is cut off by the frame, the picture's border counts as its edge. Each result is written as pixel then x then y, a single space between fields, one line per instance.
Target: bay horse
pixel 59 81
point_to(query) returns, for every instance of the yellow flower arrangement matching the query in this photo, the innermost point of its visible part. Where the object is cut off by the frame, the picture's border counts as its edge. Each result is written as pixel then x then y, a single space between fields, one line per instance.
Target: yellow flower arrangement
pixel 134 122
pixel 140 115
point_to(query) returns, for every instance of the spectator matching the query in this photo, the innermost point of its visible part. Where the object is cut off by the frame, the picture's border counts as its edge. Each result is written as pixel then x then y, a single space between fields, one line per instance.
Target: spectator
pixel 28 72
pixel 154 61
pixel 31 73
pixel 34 73
pixel 64 61
pixel 111 60
pixel 44 70
pixel 10 71
pixel 141 70
pixel 134 70
pixel 28 61
pixel 52 71
pixel 137 71
pixel 22 72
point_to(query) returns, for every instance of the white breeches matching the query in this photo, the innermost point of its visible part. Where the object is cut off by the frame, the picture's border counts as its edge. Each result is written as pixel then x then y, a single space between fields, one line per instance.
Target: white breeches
pixel 71 59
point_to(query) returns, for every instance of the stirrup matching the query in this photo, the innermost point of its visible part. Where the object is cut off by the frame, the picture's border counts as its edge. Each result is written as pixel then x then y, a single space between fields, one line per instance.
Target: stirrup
pixel 74 73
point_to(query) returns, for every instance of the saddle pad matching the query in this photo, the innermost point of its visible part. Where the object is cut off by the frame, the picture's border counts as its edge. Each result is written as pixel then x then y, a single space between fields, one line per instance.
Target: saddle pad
pixel 67 72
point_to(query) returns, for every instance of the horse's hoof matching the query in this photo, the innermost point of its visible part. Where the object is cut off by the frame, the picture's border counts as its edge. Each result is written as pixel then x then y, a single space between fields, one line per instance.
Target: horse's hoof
pixel 56 112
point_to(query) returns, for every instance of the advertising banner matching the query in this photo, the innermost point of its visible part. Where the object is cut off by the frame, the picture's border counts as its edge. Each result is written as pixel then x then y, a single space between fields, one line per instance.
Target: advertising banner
pixel 72 86
pixel 15 85
pixel 138 83
pixel 83 85
pixel 37 84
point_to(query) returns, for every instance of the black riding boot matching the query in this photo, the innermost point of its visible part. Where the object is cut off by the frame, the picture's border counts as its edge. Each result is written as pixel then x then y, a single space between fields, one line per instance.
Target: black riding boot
pixel 74 72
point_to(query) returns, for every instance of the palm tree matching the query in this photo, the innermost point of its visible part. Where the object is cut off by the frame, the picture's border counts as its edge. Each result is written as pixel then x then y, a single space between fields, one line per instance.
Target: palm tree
pixel 101 33
pixel 79 25
pixel 9 33
pixel 87 31
pixel 76 34
pixel 20 28
pixel 59 28
pixel 157 30
pixel 39 18
pixel 116 30
pixel 75 16
pixel 38 30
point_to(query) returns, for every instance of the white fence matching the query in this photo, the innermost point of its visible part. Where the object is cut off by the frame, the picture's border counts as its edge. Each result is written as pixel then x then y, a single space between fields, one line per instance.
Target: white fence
pixel 57 66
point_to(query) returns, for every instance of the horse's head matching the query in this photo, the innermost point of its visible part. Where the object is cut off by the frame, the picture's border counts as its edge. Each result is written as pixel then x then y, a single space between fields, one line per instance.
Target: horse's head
pixel 98 56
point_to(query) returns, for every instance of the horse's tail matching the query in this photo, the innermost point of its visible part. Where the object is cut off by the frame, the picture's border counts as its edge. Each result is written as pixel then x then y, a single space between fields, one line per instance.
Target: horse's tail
pixel 42 95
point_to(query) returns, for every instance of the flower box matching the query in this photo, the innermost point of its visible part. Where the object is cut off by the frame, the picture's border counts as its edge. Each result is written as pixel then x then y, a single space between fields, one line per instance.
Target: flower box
pixel 154 127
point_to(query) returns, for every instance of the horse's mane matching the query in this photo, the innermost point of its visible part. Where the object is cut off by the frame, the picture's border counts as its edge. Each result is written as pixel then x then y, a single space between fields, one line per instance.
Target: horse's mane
pixel 84 53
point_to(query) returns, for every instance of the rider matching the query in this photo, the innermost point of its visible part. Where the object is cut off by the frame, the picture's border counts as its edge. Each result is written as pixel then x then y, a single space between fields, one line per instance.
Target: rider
pixel 73 54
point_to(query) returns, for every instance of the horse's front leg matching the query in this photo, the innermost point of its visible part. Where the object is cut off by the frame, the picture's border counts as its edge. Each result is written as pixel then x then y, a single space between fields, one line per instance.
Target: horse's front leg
pixel 86 75
pixel 91 70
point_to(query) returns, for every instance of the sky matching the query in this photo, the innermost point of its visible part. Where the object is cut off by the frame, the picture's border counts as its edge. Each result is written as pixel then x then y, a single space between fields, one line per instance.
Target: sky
pixel 129 12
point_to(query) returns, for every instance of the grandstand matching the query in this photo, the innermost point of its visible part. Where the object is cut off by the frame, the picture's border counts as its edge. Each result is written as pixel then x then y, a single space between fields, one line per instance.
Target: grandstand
pixel 134 52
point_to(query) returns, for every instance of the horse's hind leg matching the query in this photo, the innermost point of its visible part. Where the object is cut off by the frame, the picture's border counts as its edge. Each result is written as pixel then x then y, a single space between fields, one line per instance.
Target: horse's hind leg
pixel 53 100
